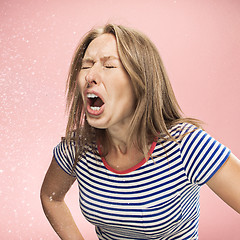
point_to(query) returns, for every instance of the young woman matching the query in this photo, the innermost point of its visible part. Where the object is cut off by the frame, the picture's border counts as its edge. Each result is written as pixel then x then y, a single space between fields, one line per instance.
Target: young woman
pixel 139 164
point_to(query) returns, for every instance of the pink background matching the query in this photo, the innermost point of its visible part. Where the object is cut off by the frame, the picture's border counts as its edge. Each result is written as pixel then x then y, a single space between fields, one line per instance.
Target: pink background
pixel 200 45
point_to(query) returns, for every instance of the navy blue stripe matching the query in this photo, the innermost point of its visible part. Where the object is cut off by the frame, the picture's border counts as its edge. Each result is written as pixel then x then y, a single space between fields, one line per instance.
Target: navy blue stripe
pixel 135 191
pixel 207 164
pixel 190 162
pixel 132 177
pixel 218 166
pixel 168 186
pixel 189 147
pixel 63 163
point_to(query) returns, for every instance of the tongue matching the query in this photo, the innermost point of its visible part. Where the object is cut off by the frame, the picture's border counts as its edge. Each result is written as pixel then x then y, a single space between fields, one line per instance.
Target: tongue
pixel 98 102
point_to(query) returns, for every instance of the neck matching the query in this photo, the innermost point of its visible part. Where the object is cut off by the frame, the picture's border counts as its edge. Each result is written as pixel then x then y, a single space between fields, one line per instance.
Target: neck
pixel 121 148
pixel 119 141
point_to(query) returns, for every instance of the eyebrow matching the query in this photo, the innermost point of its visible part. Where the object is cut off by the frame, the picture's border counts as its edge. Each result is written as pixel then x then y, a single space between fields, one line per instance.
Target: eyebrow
pixel 109 58
pixel 104 58
pixel 87 60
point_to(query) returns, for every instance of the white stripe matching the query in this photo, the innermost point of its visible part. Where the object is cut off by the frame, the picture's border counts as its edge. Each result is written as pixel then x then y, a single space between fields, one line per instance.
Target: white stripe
pixel 141 204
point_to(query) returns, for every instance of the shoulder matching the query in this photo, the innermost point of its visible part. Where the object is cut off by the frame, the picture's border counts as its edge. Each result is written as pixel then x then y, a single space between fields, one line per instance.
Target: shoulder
pixel 180 130
pixel 178 135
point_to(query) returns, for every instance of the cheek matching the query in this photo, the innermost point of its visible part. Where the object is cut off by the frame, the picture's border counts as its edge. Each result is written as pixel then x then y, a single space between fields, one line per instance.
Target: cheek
pixel 124 96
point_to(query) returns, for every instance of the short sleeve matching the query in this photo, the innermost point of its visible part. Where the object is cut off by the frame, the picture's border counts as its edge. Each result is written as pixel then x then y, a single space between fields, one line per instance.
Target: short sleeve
pixel 202 155
pixel 64 154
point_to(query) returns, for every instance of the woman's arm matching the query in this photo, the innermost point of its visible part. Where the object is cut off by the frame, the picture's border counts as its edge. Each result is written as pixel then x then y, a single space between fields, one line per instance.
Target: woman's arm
pixel 226 182
pixel 54 188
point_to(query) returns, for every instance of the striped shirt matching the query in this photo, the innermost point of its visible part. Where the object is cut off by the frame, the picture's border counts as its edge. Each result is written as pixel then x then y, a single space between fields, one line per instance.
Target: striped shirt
pixel 156 199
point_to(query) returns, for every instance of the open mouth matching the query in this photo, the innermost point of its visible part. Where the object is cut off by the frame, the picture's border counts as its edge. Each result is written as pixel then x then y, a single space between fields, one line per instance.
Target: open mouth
pixel 95 103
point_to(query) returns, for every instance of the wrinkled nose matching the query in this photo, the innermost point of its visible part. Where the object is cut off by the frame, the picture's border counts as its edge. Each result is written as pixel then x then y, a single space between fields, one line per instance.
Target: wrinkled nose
pixel 92 77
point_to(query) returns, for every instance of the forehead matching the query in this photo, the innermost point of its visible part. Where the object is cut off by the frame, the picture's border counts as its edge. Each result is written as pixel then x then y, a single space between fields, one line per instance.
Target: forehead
pixel 104 45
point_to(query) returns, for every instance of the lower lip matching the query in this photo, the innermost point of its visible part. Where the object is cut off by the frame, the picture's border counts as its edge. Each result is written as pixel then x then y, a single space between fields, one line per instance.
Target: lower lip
pixel 95 112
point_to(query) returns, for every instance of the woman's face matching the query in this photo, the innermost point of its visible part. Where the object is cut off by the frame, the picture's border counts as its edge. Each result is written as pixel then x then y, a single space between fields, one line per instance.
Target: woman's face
pixel 105 86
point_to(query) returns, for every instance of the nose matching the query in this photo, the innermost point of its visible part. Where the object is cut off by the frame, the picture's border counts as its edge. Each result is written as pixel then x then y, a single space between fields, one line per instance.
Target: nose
pixel 92 77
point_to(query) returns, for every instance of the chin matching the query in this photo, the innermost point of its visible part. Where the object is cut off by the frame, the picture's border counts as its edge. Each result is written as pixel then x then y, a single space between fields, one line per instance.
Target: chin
pixel 96 123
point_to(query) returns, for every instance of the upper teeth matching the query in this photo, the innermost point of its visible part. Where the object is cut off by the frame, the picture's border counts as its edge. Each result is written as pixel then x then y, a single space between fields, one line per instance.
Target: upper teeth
pixel 91 95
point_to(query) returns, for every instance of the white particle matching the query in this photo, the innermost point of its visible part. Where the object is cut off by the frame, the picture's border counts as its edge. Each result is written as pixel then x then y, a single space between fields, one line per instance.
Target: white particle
pixel 13 169
pixel 24 181
pixel 1 171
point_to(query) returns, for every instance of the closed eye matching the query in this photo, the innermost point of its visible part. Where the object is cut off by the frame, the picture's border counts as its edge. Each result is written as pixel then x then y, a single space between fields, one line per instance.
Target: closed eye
pixel 108 66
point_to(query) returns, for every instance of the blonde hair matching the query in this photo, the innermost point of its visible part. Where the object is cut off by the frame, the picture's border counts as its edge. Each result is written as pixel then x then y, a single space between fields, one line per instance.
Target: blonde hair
pixel 156 109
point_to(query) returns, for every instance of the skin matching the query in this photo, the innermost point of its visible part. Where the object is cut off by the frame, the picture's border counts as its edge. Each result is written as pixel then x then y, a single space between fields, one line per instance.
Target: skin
pixel 54 188
pixel 104 72
pixel 226 181
pixel 107 77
